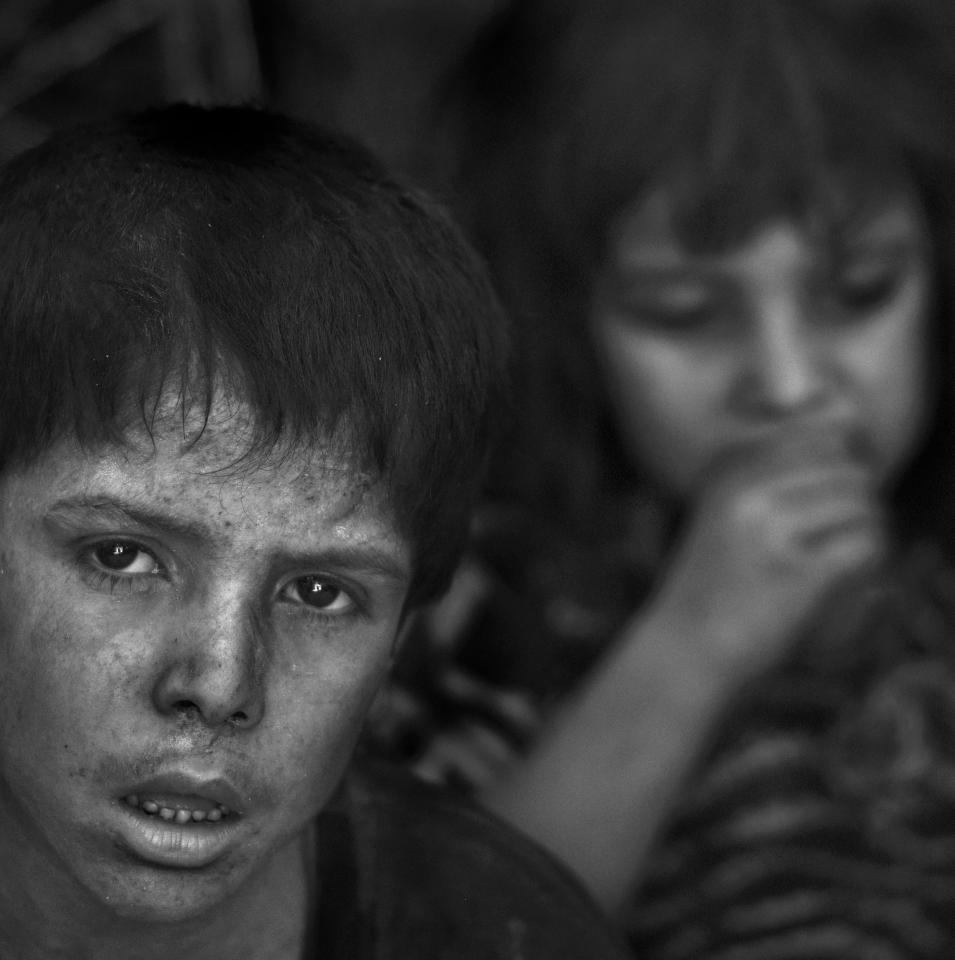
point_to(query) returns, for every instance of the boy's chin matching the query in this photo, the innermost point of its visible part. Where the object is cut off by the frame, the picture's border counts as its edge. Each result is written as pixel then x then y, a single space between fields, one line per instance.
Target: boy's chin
pixel 145 894
pixel 139 892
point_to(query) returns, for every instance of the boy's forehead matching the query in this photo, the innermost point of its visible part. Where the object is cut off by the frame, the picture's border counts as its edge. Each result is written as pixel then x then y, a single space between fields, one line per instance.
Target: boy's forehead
pixel 210 463
pixel 224 450
pixel 222 437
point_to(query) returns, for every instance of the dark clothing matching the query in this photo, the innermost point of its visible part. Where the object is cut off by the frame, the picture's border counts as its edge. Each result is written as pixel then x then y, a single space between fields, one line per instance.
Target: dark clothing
pixel 408 872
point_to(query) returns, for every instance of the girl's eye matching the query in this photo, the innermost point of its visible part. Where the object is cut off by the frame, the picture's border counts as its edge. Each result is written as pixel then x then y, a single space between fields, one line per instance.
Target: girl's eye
pixel 678 308
pixel 867 276
pixel 868 288
pixel 125 557
pixel 685 317
pixel 319 592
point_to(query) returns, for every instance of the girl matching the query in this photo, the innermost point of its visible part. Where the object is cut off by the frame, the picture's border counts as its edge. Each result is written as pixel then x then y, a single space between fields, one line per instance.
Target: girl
pixel 701 650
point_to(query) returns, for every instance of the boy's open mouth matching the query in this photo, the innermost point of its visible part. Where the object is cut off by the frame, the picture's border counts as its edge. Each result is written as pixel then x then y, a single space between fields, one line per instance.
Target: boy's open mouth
pixel 179 809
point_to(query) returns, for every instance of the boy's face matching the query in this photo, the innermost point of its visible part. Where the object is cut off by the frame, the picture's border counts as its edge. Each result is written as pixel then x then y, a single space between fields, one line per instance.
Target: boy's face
pixel 709 352
pixel 186 659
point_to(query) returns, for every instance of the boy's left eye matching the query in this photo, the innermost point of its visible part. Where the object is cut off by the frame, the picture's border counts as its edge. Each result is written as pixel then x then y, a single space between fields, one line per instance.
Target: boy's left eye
pixel 126 557
pixel 319 592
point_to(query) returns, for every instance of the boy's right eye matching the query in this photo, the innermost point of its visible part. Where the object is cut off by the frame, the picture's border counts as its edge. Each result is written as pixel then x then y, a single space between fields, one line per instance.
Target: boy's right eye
pixel 120 566
pixel 126 557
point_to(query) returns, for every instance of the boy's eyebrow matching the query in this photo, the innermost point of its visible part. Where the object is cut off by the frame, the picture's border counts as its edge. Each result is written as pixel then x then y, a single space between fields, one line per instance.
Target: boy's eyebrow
pixel 75 511
pixel 348 557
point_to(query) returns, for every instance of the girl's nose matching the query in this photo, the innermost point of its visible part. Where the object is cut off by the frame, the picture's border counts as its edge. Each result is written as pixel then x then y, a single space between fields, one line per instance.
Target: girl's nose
pixel 211 668
pixel 783 366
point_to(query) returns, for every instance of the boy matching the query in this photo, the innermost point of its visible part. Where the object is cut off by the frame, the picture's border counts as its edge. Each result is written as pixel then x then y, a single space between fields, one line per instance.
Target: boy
pixel 247 385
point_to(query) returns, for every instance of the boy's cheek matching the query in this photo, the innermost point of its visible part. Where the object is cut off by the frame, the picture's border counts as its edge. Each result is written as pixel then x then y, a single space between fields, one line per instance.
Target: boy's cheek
pixel 320 708
pixel 60 685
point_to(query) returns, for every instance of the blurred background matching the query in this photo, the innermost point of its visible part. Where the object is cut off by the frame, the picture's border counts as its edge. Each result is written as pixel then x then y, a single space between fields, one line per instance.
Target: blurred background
pixel 368 66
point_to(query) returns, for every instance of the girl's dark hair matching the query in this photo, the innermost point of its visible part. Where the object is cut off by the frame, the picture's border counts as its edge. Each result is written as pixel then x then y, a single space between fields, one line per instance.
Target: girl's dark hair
pixel 571 110
pixel 190 248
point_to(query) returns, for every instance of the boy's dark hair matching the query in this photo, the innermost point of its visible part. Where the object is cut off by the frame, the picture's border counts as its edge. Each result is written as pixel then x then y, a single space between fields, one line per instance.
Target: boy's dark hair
pixel 742 110
pixel 185 248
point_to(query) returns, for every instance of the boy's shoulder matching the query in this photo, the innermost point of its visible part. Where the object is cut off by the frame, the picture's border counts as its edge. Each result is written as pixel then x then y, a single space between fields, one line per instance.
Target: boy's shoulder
pixel 410 870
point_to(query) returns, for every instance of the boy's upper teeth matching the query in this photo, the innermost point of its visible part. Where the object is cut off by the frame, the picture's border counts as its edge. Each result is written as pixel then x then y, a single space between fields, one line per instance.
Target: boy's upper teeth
pixel 177 813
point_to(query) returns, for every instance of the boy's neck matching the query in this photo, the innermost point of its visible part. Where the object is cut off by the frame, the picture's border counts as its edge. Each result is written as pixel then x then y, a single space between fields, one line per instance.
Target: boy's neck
pixel 266 920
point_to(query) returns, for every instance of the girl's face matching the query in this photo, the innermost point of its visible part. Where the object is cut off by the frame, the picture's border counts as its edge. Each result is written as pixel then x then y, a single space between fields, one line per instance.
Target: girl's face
pixel 704 353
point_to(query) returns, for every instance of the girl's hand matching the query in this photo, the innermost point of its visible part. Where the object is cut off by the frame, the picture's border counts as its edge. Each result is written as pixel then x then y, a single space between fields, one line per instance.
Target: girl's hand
pixel 775 527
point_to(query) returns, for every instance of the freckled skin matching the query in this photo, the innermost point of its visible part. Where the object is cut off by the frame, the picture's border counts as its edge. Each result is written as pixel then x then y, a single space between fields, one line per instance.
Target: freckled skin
pixel 95 674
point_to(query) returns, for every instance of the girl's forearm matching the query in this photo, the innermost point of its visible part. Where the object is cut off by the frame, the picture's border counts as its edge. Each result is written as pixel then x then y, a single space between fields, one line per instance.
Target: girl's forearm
pixel 601 782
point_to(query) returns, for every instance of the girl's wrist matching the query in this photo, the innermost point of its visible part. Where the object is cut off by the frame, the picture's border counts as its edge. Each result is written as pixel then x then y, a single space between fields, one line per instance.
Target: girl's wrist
pixel 676 657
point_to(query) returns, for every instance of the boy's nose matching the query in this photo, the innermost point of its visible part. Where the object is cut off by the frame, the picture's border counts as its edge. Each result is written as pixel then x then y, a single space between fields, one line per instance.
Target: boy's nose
pixel 783 368
pixel 211 668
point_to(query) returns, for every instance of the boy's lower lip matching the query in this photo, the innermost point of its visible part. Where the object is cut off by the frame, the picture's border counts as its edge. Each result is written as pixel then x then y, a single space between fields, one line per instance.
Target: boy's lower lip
pixel 166 843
